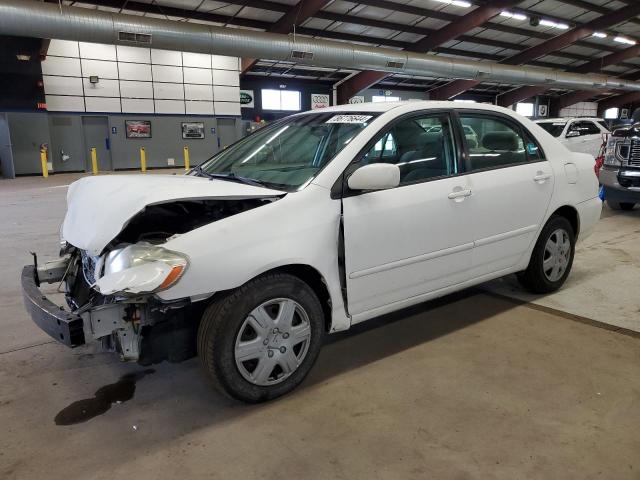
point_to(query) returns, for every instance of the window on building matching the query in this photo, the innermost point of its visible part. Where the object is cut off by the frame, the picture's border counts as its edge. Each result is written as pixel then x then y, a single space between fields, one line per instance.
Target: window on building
pixel 611 113
pixel 384 98
pixel 288 100
pixel 525 109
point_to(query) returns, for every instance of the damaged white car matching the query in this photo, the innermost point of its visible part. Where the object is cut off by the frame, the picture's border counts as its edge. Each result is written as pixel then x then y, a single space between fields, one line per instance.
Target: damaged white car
pixel 308 226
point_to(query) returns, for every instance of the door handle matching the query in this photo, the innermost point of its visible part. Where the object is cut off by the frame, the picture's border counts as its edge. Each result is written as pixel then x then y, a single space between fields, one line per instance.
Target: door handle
pixel 541 177
pixel 459 195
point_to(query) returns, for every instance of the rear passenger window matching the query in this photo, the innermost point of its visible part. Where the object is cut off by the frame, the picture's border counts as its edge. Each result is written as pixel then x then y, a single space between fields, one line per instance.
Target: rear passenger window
pixel 494 142
pixel 422 147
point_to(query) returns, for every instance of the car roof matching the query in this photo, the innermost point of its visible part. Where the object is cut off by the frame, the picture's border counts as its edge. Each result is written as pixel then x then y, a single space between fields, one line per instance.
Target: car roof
pixel 379 107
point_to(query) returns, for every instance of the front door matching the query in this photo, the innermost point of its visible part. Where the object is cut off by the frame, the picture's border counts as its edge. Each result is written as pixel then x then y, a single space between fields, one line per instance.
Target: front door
pixel 96 135
pixel 511 184
pixel 416 238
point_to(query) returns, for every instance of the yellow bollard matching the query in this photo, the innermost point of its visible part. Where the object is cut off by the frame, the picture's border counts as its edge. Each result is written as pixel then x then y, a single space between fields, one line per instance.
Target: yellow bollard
pixel 43 163
pixel 186 158
pixel 143 160
pixel 94 161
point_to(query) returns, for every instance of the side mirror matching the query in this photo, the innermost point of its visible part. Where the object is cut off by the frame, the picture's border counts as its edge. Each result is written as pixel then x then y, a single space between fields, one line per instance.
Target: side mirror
pixel 376 176
pixel 573 133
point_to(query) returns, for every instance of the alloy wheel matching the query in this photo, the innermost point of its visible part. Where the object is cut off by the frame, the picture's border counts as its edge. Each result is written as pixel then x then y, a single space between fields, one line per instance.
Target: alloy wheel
pixel 557 252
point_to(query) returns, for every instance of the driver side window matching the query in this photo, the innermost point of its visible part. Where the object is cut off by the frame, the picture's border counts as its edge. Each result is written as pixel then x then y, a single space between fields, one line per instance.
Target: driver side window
pixel 422 147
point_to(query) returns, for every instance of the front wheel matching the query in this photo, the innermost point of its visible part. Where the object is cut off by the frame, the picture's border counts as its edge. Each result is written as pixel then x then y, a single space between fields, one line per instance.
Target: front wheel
pixel 259 341
pixel 552 257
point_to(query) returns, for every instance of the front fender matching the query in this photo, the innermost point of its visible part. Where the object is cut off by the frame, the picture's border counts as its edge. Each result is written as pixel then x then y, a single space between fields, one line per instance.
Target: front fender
pixel 300 229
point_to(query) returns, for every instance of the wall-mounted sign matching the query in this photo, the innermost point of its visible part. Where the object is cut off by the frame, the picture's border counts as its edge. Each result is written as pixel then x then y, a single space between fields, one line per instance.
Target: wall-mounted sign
pixel 543 110
pixel 357 99
pixel 246 99
pixel 319 100
pixel 114 130
pixel 192 130
pixel 138 128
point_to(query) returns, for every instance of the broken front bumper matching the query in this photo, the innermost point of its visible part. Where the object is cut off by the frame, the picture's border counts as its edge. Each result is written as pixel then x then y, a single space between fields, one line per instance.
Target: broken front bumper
pixel 64 326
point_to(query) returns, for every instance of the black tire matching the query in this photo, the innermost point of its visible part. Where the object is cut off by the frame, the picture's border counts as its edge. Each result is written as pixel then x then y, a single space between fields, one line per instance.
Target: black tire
pixel 221 323
pixel 620 205
pixel 534 278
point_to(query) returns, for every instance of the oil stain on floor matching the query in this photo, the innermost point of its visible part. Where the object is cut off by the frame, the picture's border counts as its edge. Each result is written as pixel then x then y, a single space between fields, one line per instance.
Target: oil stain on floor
pixel 88 408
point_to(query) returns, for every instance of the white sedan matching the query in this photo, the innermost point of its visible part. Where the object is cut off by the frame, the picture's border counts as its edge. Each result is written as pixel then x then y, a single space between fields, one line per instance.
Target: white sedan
pixel 310 225
pixel 585 135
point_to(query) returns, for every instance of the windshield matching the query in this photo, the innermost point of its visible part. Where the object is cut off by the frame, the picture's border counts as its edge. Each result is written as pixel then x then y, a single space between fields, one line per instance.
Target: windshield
pixel 554 128
pixel 289 153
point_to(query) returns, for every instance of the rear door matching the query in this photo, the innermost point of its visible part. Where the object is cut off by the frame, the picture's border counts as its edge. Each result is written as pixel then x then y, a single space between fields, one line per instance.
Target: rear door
pixel 416 238
pixel 511 184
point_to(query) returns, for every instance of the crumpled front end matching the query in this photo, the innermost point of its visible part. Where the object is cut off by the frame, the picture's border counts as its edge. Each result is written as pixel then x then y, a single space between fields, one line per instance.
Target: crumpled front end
pixel 137 327
pixel 116 262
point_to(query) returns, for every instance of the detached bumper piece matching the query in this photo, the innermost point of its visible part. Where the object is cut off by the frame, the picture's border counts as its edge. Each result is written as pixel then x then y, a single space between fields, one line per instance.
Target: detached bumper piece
pixel 63 326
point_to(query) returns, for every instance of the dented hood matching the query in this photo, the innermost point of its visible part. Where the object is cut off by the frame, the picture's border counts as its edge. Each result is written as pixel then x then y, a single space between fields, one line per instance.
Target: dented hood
pixel 98 208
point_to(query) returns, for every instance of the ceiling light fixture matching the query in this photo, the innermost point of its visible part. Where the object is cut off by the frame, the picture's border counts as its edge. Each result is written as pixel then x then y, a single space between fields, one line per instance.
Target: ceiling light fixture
pixel 514 16
pixel 23 57
pixel 599 35
pixel 627 41
pixel 457 3
pixel 552 24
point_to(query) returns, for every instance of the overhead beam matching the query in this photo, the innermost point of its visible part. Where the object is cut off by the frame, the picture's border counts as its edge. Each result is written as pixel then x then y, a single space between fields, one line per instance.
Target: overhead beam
pixel 442 15
pixel 598 64
pixel 514 96
pixel 345 18
pixel 296 15
pixel 593 8
pixel 564 40
pixel 454 29
pixel 554 44
pixel 463 24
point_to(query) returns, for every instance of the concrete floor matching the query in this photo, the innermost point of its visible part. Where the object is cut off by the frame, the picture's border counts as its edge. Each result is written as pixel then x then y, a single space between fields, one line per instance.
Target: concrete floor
pixel 470 386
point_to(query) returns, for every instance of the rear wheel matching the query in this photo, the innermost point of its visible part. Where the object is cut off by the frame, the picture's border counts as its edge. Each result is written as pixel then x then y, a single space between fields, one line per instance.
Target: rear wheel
pixel 552 257
pixel 260 341
pixel 620 205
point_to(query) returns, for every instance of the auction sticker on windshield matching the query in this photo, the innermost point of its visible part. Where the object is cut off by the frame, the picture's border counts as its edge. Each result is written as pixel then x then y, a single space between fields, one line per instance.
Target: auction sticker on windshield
pixel 349 119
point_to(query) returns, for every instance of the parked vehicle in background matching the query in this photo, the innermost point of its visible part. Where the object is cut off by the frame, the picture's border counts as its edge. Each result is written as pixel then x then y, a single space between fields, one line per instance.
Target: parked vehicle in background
pixel 620 173
pixel 310 225
pixel 584 135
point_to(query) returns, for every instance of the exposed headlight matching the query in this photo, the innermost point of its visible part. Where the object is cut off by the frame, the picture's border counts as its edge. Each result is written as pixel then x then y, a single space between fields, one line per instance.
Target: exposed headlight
pixel 617 151
pixel 141 268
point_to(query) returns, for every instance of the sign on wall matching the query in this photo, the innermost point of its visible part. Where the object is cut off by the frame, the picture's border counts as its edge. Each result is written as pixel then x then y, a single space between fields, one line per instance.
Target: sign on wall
pixel 246 99
pixel 192 130
pixel 357 99
pixel 542 110
pixel 319 100
pixel 138 128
